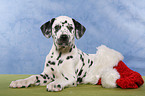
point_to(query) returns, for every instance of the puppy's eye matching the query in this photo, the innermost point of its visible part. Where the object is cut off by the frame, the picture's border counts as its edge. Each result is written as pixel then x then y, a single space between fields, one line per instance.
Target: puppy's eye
pixel 57 27
pixel 70 28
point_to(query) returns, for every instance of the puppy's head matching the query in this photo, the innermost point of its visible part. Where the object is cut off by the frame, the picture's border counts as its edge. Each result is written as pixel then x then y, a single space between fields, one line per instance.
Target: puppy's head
pixel 63 29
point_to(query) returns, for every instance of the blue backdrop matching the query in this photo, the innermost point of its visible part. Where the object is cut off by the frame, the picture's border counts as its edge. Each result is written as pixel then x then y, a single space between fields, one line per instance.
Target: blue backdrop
pixel 119 24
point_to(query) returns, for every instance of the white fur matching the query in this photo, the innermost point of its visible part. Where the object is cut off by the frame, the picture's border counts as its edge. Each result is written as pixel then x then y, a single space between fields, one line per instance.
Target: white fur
pixel 105 59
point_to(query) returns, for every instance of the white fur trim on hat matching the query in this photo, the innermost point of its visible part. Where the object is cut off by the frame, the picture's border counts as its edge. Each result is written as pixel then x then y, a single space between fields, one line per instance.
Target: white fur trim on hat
pixel 104 61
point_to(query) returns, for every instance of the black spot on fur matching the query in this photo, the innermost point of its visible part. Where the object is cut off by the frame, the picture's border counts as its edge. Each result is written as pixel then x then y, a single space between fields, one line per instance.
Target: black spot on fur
pixel 47 76
pixel 38 81
pixel 52 53
pixel 52 69
pixel 83 64
pixel 45 82
pixel 59 86
pixel 74 46
pixel 70 50
pixel 81 57
pixel 41 75
pixel 37 77
pixel 79 80
pixel 62 74
pixel 76 71
pixel 68 57
pixel 47 65
pixel 88 60
pixel 85 74
pixel 53 76
pixel 71 56
pixel 44 77
pixel 55 46
pixel 80 72
pixel 49 61
pixel 51 56
pixel 59 62
pixel 52 79
pixel 52 63
pixel 64 22
pixel 59 56
pixel 66 78
pixel 91 64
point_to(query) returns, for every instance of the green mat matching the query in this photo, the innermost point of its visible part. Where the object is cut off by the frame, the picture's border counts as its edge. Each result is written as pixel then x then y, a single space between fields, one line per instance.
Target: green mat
pixel 80 90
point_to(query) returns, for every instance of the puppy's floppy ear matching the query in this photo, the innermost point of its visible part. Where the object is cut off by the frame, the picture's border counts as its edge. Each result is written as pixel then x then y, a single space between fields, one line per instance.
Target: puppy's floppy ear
pixel 47 28
pixel 79 29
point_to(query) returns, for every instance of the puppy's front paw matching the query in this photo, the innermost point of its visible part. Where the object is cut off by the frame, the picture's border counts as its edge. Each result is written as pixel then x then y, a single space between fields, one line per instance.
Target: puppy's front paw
pixel 19 84
pixel 52 87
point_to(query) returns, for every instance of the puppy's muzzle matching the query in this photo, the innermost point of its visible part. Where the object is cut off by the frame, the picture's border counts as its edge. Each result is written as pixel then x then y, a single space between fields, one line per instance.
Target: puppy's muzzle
pixel 63 40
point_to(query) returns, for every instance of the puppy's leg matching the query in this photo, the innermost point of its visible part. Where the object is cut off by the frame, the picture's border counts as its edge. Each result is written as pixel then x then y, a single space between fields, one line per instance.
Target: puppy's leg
pixel 65 78
pixel 62 82
pixel 33 80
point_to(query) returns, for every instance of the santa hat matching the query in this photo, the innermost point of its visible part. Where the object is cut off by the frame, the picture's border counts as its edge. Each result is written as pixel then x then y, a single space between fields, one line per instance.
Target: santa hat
pixel 112 72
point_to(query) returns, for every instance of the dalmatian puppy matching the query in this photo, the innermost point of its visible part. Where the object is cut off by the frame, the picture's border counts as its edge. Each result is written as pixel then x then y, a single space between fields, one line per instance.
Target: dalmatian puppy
pixel 67 66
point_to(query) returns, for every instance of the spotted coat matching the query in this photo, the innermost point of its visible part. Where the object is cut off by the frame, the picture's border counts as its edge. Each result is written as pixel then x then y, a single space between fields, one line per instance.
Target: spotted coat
pixel 66 65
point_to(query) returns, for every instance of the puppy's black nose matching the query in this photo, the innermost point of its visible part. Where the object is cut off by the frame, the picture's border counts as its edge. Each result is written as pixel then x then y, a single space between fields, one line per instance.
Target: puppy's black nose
pixel 64 37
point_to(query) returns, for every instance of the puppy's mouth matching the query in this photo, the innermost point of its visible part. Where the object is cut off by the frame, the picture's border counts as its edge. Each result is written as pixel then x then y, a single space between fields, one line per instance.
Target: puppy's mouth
pixel 63 40
pixel 63 43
